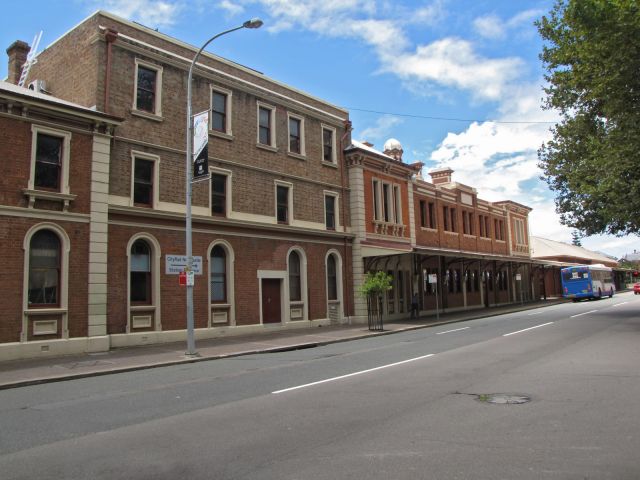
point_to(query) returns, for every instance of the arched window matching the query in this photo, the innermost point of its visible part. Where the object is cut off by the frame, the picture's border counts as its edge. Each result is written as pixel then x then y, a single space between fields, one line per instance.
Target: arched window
pixel 44 269
pixel 332 280
pixel 218 275
pixel 295 291
pixel 140 277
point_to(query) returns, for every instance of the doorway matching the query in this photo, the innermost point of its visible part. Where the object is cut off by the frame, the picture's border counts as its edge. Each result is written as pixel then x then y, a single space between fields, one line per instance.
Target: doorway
pixel 271 308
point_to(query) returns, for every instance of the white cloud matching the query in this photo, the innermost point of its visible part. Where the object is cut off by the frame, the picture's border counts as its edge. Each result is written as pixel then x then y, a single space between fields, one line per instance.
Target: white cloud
pixel 152 13
pixel 490 26
pixel 453 63
pixel 382 129
pixel 232 8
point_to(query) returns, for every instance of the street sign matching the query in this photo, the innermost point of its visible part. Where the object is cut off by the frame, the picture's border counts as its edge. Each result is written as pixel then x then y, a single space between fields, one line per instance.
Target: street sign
pixel 174 264
pixel 182 279
pixel 433 278
pixel 518 277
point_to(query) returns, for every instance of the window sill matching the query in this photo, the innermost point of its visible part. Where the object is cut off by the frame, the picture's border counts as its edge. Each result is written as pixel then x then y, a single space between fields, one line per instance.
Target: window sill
pixel 485 238
pixel 33 311
pixel 451 233
pixel 329 164
pixel 142 308
pixel 468 235
pixel 223 135
pixel 429 229
pixel 501 241
pixel 299 156
pixel 147 115
pixel 46 195
pixel 268 148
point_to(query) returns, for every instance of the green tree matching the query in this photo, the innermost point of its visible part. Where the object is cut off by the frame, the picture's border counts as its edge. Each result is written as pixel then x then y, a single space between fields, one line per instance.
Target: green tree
pixel 575 238
pixel 376 283
pixel 592 58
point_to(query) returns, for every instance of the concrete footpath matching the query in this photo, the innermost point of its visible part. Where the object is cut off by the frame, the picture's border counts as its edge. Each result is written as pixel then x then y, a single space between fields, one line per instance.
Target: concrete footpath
pixel 18 373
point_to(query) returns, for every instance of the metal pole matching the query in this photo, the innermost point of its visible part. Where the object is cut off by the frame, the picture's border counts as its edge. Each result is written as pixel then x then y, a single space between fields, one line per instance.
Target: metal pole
pixel 191 343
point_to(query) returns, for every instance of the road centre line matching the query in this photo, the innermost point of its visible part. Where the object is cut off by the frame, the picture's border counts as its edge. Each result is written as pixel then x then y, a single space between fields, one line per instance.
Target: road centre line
pixel 618 304
pixel 352 374
pixel 584 313
pixel 449 331
pixel 530 328
pixel 535 313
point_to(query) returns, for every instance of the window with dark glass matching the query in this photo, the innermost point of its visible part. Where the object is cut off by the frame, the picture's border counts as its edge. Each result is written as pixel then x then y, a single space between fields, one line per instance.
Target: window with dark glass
pixel 140 271
pixel 445 216
pixel 330 212
pixel 327 145
pixel 218 194
pixel 48 162
pixel 454 220
pixel 332 279
pixel 294 277
pixel 423 213
pixel 432 215
pixel 219 111
pixel 385 203
pixel 44 269
pixel 218 275
pixel 143 182
pixel 294 135
pixel 146 94
pixel 264 126
pixel 282 204
pixel 376 200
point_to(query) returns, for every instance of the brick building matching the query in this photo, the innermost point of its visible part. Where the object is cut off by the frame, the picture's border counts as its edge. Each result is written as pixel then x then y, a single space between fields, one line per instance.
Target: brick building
pixel 270 227
pixel 410 228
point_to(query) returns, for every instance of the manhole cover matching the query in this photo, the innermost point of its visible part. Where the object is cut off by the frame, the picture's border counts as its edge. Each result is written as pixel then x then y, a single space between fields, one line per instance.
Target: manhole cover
pixel 503 398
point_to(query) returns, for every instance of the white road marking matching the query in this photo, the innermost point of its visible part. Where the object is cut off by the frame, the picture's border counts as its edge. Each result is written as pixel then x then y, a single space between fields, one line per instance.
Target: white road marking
pixel 530 328
pixel 449 331
pixel 618 304
pixel 353 374
pixel 585 313
pixel 535 313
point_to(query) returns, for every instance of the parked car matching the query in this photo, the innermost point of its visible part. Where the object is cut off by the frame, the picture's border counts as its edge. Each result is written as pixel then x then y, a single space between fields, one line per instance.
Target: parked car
pixel 636 288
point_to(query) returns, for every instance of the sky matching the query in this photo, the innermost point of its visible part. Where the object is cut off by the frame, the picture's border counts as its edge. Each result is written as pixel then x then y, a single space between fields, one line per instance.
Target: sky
pixel 458 82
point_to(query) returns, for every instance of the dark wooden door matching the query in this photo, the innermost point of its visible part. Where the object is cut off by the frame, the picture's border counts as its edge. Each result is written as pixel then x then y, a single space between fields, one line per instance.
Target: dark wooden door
pixel 271 312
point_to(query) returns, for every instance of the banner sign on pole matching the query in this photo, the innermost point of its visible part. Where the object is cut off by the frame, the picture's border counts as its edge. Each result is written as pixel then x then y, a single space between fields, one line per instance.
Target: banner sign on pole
pixel 200 145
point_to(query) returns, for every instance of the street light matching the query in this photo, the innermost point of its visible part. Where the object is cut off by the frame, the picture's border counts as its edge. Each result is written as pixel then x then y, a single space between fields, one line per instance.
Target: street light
pixel 191 344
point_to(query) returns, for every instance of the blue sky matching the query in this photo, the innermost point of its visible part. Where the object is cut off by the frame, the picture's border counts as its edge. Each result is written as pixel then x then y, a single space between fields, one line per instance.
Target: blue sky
pixel 457 82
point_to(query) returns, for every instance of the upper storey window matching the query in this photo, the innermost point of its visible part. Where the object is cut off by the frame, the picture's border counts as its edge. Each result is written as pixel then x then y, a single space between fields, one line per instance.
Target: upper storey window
pixel 221 110
pixel 148 88
pixel 328 144
pixel 48 159
pixel 296 135
pixel 266 125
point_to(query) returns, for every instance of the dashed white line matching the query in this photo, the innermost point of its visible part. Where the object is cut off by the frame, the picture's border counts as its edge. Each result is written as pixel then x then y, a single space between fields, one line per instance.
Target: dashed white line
pixel 449 331
pixel 535 313
pixel 352 374
pixel 584 313
pixel 526 329
pixel 618 304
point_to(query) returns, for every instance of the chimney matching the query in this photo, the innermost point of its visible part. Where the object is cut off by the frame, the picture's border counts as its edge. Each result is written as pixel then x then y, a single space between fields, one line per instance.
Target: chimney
pixel 17 53
pixel 441 176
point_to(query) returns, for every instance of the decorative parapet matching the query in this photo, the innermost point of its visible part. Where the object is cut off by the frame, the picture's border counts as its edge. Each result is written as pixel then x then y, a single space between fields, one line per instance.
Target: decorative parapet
pixel 388 228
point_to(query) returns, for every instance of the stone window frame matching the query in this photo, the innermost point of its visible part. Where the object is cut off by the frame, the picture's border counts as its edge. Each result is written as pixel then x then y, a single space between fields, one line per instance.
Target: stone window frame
pixel 65 159
pixel 228 192
pixel 229 304
pixel 336 209
pixel 289 186
pixel 156 255
pixel 304 297
pixel 157 111
pixel 334 156
pixel 156 177
pixel 228 132
pixel 302 154
pixel 272 126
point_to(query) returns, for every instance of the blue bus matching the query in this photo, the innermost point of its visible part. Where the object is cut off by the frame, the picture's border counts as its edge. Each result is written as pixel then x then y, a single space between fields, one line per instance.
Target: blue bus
pixel 587 281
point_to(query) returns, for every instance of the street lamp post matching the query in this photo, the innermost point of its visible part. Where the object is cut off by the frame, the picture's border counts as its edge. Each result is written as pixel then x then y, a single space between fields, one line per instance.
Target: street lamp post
pixel 191 344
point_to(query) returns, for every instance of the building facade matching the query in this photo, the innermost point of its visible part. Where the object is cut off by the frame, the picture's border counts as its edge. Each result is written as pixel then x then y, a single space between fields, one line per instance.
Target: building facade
pixel 436 239
pixel 271 236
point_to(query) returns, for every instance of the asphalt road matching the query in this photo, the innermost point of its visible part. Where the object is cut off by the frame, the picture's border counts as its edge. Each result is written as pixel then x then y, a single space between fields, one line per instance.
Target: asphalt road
pixel 411 405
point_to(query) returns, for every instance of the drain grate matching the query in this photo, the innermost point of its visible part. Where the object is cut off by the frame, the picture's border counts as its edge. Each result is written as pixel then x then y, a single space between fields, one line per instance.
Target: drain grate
pixel 503 398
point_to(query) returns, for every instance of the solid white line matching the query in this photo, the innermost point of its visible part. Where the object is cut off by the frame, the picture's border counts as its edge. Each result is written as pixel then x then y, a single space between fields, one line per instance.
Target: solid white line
pixel 535 313
pixel 449 331
pixel 618 304
pixel 585 313
pixel 530 328
pixel 353 374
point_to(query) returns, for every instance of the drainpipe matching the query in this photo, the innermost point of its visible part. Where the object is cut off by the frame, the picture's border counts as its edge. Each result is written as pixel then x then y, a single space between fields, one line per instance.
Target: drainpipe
pixel 110 36
pixel 348 259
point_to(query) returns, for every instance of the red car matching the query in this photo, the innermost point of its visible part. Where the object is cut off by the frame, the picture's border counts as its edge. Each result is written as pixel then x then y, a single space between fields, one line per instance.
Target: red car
pixel 636 288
